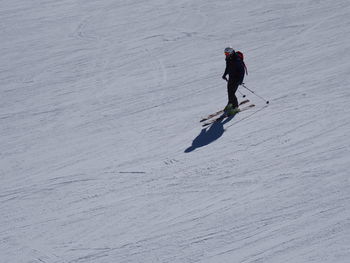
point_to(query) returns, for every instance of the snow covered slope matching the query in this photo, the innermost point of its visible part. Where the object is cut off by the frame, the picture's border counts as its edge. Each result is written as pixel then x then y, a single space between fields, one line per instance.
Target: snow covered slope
pixel 103 158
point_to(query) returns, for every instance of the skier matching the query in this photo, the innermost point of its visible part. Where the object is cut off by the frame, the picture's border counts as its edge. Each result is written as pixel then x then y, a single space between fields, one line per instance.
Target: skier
pixel 236 70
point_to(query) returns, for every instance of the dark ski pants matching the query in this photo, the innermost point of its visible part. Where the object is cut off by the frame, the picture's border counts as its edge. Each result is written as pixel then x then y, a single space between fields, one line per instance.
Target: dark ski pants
pixel 232 87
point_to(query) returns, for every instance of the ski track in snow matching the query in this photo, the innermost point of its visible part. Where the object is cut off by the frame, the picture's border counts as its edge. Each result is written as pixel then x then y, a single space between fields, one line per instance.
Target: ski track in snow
pixel 100 100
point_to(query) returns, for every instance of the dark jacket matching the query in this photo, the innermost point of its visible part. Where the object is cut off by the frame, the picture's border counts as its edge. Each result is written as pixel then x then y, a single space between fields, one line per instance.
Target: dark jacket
pixel 234 68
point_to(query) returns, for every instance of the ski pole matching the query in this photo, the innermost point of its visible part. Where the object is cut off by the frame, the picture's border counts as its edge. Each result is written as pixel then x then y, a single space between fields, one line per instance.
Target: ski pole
pixel 267 102
pixel 243 95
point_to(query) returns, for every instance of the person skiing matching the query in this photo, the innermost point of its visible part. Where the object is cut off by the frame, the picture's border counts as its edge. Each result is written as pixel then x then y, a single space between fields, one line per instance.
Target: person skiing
pixel 235 69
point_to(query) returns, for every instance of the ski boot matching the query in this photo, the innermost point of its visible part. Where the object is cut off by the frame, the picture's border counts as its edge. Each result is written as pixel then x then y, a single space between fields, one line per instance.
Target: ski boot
pixel 228 107
pixel 230 110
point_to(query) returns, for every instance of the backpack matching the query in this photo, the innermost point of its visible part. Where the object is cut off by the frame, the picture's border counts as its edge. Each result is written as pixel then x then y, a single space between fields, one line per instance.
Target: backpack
pixel 241 56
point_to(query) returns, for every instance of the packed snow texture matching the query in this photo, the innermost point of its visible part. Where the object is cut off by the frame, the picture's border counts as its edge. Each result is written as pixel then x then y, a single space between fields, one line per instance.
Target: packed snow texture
pixel 103 158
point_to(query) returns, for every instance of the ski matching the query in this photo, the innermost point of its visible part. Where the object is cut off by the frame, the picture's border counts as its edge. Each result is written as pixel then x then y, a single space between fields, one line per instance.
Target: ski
pixel 220 112
pixel 224 115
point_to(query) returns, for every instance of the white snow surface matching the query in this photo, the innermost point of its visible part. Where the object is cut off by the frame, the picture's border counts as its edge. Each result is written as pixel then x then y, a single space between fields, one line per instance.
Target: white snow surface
pixel 103 158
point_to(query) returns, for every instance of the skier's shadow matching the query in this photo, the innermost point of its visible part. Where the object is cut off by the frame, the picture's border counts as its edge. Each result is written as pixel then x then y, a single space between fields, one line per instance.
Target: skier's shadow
pixel 209 135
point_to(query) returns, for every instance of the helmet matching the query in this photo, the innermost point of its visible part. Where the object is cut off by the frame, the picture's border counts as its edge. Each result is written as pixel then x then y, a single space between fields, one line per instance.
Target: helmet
pixel 229 51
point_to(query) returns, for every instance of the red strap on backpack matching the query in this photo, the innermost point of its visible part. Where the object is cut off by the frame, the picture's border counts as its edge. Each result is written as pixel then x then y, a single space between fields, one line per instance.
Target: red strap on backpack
pixel 241 56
